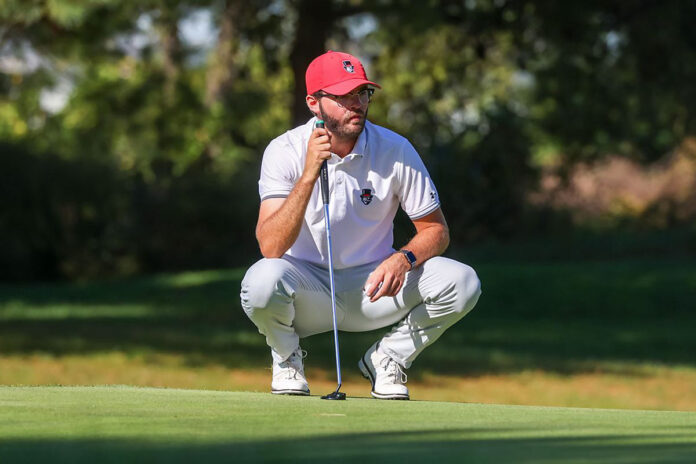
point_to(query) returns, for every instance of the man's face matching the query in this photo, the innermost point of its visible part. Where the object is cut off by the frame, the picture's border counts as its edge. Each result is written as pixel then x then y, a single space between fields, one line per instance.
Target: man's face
pixel 344 116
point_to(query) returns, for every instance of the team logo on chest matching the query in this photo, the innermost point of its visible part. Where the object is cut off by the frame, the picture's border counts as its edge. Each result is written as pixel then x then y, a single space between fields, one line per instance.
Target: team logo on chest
pixel 348 66
pixel 366 196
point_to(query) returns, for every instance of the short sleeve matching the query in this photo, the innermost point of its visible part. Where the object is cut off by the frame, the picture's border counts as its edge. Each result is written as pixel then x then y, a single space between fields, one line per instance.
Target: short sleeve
pixel 278 172
pixel 417 192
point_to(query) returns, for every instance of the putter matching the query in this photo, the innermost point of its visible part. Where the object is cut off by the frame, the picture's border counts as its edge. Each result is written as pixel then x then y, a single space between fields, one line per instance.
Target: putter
pixel 324 176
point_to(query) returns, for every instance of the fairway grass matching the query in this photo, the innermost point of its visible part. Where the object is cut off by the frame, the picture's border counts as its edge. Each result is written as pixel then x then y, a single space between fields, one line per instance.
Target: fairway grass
pixel 125 424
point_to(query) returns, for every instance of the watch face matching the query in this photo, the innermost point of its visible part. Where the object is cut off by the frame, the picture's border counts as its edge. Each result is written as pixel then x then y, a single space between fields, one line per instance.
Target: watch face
pixel 410 256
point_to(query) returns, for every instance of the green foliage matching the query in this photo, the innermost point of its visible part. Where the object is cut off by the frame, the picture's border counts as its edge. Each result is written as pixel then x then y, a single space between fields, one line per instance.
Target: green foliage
pixel 614 76
pixel 162 174
pixel 56 220
pixel 488 91
pixel 86 218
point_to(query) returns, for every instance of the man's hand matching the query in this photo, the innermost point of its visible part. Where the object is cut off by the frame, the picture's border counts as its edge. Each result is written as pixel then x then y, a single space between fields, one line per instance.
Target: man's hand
pixel 318 150
pixel 388 278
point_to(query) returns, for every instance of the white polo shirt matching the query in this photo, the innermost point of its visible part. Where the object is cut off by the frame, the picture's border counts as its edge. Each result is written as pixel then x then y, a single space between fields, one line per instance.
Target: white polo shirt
pixel 366 188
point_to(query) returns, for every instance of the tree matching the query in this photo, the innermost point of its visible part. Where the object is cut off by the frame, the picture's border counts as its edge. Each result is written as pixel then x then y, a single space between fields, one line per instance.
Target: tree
pixel 480 87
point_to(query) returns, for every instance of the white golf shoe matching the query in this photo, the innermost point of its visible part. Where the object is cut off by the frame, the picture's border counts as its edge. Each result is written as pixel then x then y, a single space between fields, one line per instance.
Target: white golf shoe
pixel 288 375
pixel 387 376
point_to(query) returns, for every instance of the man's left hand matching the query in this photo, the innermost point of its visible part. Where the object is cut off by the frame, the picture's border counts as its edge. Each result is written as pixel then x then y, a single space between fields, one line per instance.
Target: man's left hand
pixel 388 278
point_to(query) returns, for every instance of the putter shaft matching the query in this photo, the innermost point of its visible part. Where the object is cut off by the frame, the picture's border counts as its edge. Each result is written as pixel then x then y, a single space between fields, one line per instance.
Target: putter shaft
pixel 333 295
pixel 324 181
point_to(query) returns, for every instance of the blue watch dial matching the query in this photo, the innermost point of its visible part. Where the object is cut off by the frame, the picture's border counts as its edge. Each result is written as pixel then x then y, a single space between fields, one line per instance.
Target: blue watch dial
pixel 409 256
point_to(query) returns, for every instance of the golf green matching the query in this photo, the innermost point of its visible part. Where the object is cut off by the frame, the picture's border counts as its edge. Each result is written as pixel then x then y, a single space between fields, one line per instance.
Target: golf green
pixel 126 424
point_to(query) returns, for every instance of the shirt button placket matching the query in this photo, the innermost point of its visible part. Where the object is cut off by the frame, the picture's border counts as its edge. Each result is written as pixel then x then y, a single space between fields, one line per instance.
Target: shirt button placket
pixel 339 200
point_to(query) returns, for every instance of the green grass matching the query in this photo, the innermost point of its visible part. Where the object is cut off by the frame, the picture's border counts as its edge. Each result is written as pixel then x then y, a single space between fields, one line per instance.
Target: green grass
pixel 566 317
pixel 631 319
pixel 87 424
pixel 588 333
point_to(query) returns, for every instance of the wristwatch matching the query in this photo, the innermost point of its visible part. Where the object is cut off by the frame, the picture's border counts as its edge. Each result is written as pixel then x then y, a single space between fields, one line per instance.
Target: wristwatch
pixel 410 257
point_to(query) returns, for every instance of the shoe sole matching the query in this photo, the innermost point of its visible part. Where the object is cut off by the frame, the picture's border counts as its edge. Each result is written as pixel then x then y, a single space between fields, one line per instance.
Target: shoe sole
pixel 291 392
pixel 367 373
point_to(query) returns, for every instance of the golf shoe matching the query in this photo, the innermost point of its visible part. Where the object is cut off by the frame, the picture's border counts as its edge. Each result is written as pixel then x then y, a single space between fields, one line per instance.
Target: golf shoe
pixel 288 375
pixel 387 376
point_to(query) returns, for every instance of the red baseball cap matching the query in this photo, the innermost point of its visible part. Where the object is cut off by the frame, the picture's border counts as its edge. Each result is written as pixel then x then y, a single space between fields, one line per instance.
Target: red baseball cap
pixel 335 72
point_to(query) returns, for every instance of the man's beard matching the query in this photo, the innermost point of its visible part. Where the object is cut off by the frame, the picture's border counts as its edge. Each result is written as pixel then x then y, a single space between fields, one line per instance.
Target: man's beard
pixel 343 131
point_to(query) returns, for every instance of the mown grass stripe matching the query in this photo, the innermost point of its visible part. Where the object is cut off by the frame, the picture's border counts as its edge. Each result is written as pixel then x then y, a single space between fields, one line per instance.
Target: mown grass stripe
pixel 78 424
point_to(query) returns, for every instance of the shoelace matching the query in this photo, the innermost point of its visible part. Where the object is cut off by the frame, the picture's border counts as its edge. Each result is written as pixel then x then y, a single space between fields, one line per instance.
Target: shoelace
pixel 393 369
pixel 290 366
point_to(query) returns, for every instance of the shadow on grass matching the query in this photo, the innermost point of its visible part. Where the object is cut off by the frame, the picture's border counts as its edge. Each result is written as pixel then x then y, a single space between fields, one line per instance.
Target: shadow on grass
pixel 207 294
pixel 461 445
pixel 476 346
pixel 562 318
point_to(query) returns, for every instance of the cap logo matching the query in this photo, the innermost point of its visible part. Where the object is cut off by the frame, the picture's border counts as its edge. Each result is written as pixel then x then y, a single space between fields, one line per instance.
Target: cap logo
pixel 348 66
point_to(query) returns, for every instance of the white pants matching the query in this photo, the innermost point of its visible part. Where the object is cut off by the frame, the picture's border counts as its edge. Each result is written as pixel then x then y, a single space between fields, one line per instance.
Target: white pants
pixel 289 299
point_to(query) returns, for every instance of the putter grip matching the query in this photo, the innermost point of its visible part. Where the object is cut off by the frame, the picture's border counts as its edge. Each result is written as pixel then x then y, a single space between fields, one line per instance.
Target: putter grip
pixel 324 175
pixel 324 172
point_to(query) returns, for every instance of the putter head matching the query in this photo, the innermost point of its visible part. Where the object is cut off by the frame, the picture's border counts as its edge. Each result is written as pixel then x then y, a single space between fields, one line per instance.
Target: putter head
pixel 337 395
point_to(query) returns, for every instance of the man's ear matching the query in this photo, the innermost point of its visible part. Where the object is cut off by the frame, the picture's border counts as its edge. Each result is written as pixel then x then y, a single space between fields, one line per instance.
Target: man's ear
pixel 312 104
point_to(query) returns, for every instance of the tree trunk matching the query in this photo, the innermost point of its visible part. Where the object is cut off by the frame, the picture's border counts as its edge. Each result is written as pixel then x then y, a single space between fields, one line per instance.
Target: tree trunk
pixel 222 70
pixel 171 52
pixel 314 20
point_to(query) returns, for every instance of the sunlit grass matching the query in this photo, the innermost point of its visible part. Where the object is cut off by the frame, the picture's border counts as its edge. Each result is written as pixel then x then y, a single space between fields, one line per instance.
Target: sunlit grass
pixel 647 387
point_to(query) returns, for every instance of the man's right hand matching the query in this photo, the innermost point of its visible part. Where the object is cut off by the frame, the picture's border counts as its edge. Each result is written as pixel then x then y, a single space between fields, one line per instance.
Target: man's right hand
pixel 318 150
